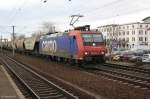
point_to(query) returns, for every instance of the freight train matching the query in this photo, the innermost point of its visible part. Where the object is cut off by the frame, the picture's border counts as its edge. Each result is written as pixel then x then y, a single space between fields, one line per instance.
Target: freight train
pixel 75 46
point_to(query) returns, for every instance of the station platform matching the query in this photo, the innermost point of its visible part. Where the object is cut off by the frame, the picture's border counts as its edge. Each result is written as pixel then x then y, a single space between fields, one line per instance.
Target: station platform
pixel 8 89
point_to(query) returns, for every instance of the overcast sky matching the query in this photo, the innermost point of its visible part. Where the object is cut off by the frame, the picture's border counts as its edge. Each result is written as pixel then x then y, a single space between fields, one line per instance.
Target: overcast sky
pixel 28 15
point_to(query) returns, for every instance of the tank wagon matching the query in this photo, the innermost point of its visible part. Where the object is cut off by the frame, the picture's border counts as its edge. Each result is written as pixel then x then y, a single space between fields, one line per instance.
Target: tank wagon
pixel 19 43
pixel 76 46
pixel 27 45
pixel 31 45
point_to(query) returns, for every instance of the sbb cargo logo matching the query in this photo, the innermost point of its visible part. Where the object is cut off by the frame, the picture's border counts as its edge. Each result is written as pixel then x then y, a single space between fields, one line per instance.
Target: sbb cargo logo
pixel 49 46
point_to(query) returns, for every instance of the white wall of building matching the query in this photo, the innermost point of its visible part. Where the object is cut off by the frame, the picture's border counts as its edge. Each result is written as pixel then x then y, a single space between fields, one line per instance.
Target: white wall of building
pixel 136 35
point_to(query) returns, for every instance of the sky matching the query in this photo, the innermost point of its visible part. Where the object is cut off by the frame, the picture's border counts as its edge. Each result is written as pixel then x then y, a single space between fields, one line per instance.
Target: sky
pixel 28 15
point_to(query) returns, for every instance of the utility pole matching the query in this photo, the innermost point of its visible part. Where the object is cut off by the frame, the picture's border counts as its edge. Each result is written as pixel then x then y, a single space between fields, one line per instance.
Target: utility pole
pixel 1 43
pixel 13 39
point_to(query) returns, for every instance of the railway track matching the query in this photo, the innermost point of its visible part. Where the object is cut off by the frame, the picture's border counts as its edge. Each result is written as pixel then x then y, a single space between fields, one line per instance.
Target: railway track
pixel 38 87
pixel 135 77
pixel 129 68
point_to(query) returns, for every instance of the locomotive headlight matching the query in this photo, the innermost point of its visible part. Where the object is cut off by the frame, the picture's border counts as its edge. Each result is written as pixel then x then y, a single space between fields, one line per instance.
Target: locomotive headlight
pixel 102 52
pixel 86 53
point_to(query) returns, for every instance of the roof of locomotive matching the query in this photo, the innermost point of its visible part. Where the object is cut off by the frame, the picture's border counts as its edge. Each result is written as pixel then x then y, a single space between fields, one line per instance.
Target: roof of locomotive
pixel 55 35
pixel 67 33
pixel 78 31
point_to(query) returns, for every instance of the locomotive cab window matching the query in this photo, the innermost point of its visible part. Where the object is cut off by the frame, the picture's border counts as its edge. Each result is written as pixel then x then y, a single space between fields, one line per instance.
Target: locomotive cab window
pixel 87 38
pixel 90 39
pixel 97 38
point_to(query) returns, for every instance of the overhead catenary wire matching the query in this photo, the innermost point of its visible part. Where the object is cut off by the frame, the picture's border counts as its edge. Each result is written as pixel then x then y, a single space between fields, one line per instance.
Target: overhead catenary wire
pixel 12 18
pixel 115 5
pixel 87 11
pixel 11 13
pixel 99 7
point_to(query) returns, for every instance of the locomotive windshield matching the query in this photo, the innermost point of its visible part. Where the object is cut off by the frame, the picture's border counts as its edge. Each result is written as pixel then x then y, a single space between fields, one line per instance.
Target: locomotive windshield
pixel 92 39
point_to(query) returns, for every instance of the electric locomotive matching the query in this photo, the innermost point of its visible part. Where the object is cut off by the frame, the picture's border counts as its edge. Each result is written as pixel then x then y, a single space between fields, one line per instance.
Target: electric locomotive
pixel 76 46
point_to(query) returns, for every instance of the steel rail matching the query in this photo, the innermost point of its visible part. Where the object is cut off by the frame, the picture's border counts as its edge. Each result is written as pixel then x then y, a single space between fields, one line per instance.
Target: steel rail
pixel 119 75
pixel 130 68
pixel 15 69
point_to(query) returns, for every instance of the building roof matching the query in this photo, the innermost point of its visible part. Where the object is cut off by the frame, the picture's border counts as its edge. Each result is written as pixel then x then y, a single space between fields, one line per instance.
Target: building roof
pixel 124 24
pixel 146 18
pixel 108 25
pixel 134 23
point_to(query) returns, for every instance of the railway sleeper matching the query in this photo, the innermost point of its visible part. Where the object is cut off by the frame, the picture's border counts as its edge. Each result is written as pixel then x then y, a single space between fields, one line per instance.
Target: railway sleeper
pixel 129 80
pixel 42 92
pixel 39 85
pixel 128 75
pixel 34 82
pixel 53 97
pixel 50 90
pixel 45 87
pixel 50 94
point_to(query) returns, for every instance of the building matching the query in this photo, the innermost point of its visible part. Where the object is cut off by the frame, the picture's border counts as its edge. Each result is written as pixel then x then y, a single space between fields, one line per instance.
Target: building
pixel 109 33
pixel 130 36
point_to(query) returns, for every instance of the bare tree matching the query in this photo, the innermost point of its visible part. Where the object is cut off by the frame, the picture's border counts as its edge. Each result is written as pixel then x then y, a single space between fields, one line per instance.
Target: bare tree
pixel 22 36
pixel 34 34
pixel 48 27
pixel 37 33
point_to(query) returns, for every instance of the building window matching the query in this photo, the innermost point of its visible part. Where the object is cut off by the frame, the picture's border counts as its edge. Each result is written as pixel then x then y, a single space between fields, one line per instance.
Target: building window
pixel 133 26
pixel 113 34
pixel 145 38
pixel 108 34
pixel 119 33
pixel 123 33
pixel 133 32
pixel 127 27
pixel 132 45
pixel 140 26
pixel 140 38
pixel 127 39
pixel 127 45
pixel 140 32
pixel 123 39
pixel 146 26
pixel 114 28
pixel 119 39
pixel 110 29
pixel 127 32
pixel 133 38
pixel 123 27
pixel 107 29
pixel 145 32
